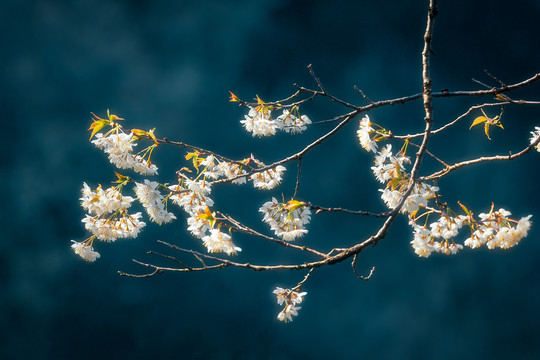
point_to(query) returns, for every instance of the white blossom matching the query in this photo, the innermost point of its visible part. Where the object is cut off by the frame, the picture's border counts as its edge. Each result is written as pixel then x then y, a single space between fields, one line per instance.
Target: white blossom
pixel 108 218
pixel 447 248
pixel 259 122
pixel 232 170
pixel 387 166
pixel 85 251
pixel 286 220
pixel 218 241
pixel 509 236
pixel 119 227
pixel 480 237
pixel 291 123
pixel 119 148
pixel 288 312
pixel 390 197
pixel 143 166
pixel 153 202
pixel 115 144
pixel 447 227
pixel 198 226
pixel 290 298
pixel 419 197
pixel 289 235
pixel 193 196
pixel 104 201
pixel 423 240
pixel 211 168
pixel 268 179
pixel 534 135
pixel 363 133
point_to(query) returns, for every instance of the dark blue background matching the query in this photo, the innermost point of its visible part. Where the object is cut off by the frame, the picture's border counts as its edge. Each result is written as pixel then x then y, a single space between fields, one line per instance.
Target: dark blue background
pixel 170 65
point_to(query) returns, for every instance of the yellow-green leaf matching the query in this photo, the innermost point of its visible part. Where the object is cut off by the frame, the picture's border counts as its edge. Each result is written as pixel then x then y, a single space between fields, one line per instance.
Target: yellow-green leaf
pixel 121 178
pixel 139 132
pixel 464 208
pixel 185 169
pixel 479 120
pixel 96 126
pixel 152 136
pixel 191 154
pixel 294 204
pixel 486 130
pixel 113 117
pixel 234 98
pixel 207 216
pixel 393 183
pixel 502 97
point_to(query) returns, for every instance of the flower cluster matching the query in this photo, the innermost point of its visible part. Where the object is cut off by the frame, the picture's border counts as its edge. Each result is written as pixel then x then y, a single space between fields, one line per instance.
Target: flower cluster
pixel 363 133
pixel 107 218
pixel 292 123
pixel 390 169
pixel 193 197
pixel 119 147
pixel 218 241
pixel 259 121
pixel 420 195
pixel 267 179
pixel 85 250
pixel 495 230
pixel 104 201
pixel 534 136
pixel 287 220
pixel 290 298
pixel 424 242
pixel 214 168
pixel 153 202
pixel 120 225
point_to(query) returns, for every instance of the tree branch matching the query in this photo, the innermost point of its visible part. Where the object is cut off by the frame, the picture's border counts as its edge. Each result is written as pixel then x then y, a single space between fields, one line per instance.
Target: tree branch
pixel 456 166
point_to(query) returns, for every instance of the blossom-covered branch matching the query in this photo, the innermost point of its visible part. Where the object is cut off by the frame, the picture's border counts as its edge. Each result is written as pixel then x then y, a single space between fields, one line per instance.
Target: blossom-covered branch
pixel 434 225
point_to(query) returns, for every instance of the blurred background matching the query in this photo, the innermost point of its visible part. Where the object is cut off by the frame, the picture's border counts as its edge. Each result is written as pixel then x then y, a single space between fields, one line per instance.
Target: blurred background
pixel 170 65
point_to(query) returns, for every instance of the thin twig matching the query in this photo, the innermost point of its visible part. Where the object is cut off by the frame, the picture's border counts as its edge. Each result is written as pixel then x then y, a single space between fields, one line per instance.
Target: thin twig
pixel 494 78
pixel 170 258
pixel 456 166
pixel 317 80
pixel 297 178
pixel 442 128
pixel 429 153
pixel 363 95
pixel 320 209
pixel 363 278
pixel 247 230
pixel 299 285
